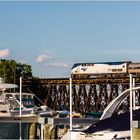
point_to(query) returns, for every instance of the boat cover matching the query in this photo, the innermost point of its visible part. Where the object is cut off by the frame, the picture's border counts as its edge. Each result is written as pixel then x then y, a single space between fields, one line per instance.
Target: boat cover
pixel 116 122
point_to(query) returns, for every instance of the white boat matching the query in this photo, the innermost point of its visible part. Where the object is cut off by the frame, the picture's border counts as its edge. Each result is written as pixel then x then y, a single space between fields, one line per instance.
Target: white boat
pixel 10 103
pixel 10 107
pixel 112 124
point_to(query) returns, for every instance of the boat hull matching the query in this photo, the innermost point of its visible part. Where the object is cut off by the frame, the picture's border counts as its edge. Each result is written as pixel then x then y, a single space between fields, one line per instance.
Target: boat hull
pixel 102 135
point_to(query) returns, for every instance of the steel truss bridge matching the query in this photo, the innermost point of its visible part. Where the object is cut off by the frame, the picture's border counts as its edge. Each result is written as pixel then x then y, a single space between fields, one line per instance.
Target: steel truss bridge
pixel 89 94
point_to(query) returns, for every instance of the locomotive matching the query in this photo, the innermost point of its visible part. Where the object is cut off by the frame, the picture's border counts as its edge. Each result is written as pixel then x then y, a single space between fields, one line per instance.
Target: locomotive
pixel 104 68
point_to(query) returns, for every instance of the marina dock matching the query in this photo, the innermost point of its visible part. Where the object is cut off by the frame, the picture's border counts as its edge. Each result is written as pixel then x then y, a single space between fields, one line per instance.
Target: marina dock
pixel 42 127
pixel 50 120
pixel 66 121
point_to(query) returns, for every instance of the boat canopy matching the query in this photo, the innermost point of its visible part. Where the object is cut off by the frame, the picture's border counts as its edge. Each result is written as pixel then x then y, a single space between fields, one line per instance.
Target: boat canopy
pixel 116 122
pixel 115 103
pixel 4 86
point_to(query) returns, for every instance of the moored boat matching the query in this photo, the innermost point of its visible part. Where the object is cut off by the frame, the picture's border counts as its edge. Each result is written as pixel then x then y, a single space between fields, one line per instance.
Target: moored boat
pixel 112 123
pixel 11 106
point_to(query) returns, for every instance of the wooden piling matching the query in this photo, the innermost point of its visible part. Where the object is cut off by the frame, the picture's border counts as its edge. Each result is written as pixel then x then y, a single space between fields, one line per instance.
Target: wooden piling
pixel 136 130
pixel 32 130
pixel 53 133
pixel 47 131
pixel 65 129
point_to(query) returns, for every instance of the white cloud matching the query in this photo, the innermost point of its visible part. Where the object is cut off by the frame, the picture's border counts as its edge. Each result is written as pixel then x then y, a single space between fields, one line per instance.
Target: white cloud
pixel 4 53
pixel 42 58
pixel 61 65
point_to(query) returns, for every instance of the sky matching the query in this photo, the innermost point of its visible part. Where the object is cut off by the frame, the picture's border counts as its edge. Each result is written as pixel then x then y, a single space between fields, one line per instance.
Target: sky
pixel 51 36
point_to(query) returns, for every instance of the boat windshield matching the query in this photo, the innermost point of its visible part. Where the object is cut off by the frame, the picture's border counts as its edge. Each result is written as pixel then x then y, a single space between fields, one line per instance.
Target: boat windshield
pixel 13 104
pixel 27 101
pixel 14 100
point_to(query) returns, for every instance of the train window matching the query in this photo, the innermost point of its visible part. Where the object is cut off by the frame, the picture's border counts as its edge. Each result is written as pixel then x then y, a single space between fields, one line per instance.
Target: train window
pixel 87 64
pixel 134 67
pixel 114 70
pixel 137 67
pixel 119 69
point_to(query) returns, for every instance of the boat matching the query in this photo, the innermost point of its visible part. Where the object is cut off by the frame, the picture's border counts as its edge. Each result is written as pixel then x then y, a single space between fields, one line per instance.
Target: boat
pixel 44 111
pixel 10 103
pixel 93 114
pixel 62 113
pixel 107 127
pixel 10 107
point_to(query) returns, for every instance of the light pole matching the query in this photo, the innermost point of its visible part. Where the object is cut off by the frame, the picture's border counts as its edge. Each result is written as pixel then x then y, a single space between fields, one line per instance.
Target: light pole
pixel 131 107
pixel 70 104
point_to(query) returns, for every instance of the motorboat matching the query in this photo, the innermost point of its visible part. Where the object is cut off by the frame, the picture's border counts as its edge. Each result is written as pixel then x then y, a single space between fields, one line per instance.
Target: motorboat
pixel 62 113
pixel 44 111
pixel 10 101
pixel 10 105
pixel 112 125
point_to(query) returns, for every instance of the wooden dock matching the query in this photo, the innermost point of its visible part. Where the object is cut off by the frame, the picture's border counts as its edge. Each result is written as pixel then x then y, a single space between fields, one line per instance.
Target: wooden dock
pixel 33 119
pixel 66 121
pixel 48 128
pixel 48 120
pixel 43 127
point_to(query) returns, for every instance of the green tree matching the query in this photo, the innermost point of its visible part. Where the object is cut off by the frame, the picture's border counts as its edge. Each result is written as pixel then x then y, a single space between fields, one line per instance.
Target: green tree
pixel 24 70
pixel 10 70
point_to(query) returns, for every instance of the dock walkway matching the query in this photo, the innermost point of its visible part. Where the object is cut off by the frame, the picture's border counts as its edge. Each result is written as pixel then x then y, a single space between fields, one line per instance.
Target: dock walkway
pixel 48 120
pixel 44 127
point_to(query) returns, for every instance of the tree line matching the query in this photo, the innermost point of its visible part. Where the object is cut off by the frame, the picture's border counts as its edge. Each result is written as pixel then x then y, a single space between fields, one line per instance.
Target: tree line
pixel 10 70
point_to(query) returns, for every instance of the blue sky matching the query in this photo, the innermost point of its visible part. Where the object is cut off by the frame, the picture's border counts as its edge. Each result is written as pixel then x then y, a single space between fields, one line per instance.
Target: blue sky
pixel 53 35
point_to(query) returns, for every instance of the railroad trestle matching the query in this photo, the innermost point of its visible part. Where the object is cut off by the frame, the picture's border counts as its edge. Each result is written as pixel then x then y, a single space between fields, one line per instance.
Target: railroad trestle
pixel 88 95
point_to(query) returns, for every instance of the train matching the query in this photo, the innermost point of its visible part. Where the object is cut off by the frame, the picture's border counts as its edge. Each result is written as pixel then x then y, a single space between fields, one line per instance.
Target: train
pixel 134 68
pixel 104 68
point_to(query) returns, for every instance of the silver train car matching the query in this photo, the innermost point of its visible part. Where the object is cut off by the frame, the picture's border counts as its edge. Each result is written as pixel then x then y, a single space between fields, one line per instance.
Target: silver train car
pixel 94 69
pixel 134 68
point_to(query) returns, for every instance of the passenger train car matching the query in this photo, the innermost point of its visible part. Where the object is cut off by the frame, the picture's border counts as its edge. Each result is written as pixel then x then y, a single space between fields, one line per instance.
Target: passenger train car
pixel 134 68
pixel 94 69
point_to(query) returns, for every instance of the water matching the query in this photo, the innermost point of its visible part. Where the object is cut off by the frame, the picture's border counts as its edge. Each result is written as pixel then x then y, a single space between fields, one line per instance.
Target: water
pixel 12 130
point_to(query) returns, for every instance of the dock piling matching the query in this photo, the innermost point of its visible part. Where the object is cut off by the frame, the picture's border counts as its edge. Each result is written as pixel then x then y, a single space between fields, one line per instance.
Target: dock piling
pixel 136 130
